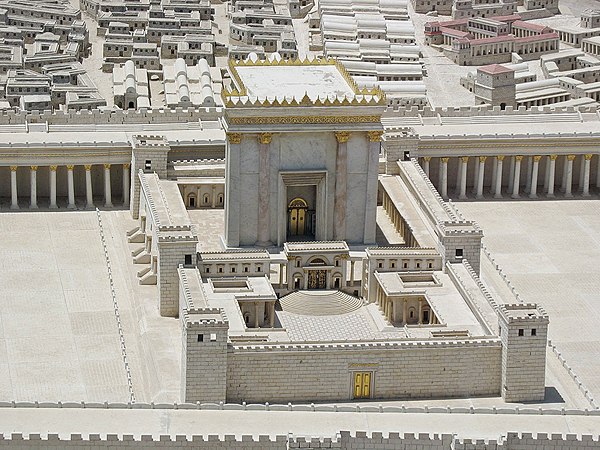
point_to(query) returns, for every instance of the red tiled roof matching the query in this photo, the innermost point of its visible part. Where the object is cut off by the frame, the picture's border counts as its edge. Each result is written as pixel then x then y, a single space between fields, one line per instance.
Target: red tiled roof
pixel 530 26
pixel 538 37
pixel 495 69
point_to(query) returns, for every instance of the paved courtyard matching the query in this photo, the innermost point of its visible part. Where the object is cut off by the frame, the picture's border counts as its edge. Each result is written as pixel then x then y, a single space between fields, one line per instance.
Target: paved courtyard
pixel 550 250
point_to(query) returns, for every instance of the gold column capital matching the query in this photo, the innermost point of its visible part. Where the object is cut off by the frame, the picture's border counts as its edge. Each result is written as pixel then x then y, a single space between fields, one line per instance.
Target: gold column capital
pixel 445 159
pixel 265 138
pixel 88 167
pixel 500 157
pixel 427 158
pixel 53 168
pixel 375 136
pixel 519 158
pixel 537 158
pixel 465 159
pixel 342 136
pixel 13 168
pixel 482 159
pixel 588 156
pixel 571 157
pixel 553 157
pixel 234 138
pixel 106 166
pixel 34 168
pixel 126 166
pixel 70 167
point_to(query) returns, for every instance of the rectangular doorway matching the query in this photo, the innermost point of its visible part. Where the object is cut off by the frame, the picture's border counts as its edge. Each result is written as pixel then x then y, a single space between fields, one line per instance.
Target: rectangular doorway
pixel 362 385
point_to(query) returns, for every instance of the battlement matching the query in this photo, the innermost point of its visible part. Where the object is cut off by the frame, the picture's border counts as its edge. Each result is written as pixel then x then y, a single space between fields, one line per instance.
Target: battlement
pixel 149 141
pixel 482 110
pixel 523 313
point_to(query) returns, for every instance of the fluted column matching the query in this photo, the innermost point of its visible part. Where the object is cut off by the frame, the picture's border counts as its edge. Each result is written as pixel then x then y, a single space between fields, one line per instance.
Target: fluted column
pixel 511 174
pixel 426 161
pixel 264 218
pixel 444 177
pixel 341 173
pixel 569 176
pixel 70 187
pixel 33 179
pixel 88 187
pixel 480 176
pixel 551 174
pixel 586 175
pixel 529 174
pixel 107 187
pixel 498 186
pixel 463 178
pixel 126 183
pixel 534 177
pixel 517 177
pixel 53 187
pixel 374 148
pixel 14 199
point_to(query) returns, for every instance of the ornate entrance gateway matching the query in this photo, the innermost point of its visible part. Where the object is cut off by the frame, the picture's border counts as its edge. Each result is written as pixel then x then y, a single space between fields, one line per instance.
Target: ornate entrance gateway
pixel 317 279
pixel 297 210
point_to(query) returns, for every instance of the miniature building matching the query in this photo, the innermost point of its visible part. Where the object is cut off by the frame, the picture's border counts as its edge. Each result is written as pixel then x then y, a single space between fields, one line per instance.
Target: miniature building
pixel 495 85
pixel 188 85
pixel 130 86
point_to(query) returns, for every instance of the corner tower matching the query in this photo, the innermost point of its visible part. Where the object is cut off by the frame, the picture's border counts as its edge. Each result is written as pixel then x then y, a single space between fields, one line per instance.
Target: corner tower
pixel 302 154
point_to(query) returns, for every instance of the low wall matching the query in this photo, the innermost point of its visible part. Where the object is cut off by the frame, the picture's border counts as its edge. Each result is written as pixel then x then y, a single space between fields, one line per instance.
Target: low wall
pixel 408 370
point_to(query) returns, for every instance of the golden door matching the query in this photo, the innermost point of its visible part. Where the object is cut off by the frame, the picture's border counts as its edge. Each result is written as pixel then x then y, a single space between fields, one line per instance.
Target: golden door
pixel 317 279
pixel 297 217
pixel 362 384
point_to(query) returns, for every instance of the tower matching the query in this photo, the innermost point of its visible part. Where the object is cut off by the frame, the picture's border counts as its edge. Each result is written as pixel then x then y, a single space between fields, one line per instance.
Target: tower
pixel 495 84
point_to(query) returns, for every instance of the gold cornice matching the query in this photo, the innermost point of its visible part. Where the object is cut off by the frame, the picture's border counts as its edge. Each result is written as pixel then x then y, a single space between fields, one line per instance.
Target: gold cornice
pixel 303 119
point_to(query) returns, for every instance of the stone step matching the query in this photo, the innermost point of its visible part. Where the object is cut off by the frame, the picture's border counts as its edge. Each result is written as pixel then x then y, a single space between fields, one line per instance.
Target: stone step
pixel 320 303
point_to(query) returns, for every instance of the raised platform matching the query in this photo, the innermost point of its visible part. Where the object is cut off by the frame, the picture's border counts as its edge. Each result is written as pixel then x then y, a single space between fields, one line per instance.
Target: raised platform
pixel 320 303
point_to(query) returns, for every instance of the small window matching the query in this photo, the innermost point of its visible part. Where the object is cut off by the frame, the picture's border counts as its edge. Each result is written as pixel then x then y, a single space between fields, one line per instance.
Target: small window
pixel 258 268
pixel 418 265
pixel 213 337
pixel 188 260
pixel 379 265
pixel 200 338
pixel 233 269
pixel 246 269
pixel 405 265
pixel 148 164
pixel 298 263
pixel 337 263
pixel 521 332
pixel 533 332
pixel 393 265
pixel 459 252
pixel 207 270
pixel 220 270
pixel 430 265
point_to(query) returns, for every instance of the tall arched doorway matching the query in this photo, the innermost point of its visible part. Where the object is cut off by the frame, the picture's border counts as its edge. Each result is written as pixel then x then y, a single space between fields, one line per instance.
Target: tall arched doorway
pixel 297 217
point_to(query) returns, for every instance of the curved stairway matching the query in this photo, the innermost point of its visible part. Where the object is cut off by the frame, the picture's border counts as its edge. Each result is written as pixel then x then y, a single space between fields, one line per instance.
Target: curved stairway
pixel 320 303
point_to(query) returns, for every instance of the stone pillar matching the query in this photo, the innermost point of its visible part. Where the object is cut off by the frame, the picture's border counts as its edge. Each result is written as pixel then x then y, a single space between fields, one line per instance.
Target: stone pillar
pixel 569 176
pixel 256 311
pixel 53 187
pixel 107 187
pixel 33 179
pixel 480 175
pixel 126 179
pixel 517 177
pixel 511 174
pixel 372 180
pixel 426 161
pixel 264 218
pixel 551 173
pixel 534 177
pixel 498 186
pixel 70 187
pixel 213 196
pixel 88 187
pixel 598 174
pixel 272 314
pixel 420 311
pixel 232 195
pixel 463 178
pixel 404 311
pixel 529 174
pixel 14 199
pixel 351 273
pixel 444 178
pixel 341 174
pixel 586 175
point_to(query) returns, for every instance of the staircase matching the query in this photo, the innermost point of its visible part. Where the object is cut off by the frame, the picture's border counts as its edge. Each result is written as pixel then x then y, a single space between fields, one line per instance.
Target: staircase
pixel 320 303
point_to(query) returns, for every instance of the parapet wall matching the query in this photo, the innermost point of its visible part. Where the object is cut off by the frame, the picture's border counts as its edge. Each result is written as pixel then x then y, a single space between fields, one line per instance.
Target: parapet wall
pixel 343 440
pixel 484 110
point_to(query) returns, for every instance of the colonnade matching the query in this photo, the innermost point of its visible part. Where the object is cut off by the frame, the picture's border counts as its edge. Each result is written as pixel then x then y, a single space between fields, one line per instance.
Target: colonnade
pixel 52 169
pixel 398 221
pixel 397 310
pixel 511 183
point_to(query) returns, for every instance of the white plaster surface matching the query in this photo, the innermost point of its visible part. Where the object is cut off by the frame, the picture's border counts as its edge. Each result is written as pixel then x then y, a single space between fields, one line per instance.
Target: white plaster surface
pixel 550 251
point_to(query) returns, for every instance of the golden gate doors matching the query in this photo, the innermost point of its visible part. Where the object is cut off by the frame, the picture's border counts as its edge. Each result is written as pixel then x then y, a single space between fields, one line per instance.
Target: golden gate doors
pixel 297 217
pixel 362 384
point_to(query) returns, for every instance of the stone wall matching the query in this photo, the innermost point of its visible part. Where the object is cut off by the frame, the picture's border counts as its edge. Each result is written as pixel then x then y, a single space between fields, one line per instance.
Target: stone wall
pixel 400 371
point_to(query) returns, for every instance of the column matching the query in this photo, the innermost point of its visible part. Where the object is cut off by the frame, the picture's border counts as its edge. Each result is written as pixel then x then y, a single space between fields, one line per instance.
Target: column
pixel 420 311
pixel 405 311
pixel 88 186
pixel 341 172
pixel 498 186
pixel 534 177
pixel 475 177
pixel 271 314
pixel 426 161
pixel 33 179
pixel 569 176
pixel 547 174
pixel 444 178
pixel 14 200
pixel 598 174
pixel 256 311
pixel 480 175
pixel 264 218
pixel 529 173
pixel 107 189
pixel 586 175
pixel 511 174
pixel 351 273
pixel 517 177
pixel 53 187
pixel 551 173
pixel 126 181
pixel 374 138
pixel 458 175
pixel 463 178
pixel 494 174
pixel 581 172
pixel 71 187
pixel 213 196
pixel 563 183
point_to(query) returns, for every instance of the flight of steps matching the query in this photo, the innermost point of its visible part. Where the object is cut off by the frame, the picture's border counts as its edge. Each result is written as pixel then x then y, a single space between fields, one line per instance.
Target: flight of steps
pixel 320 303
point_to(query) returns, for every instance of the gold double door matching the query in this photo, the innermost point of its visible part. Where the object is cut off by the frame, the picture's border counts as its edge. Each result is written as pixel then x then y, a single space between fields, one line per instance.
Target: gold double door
pixel 297 221
pixel 362 384
pixel 317 279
